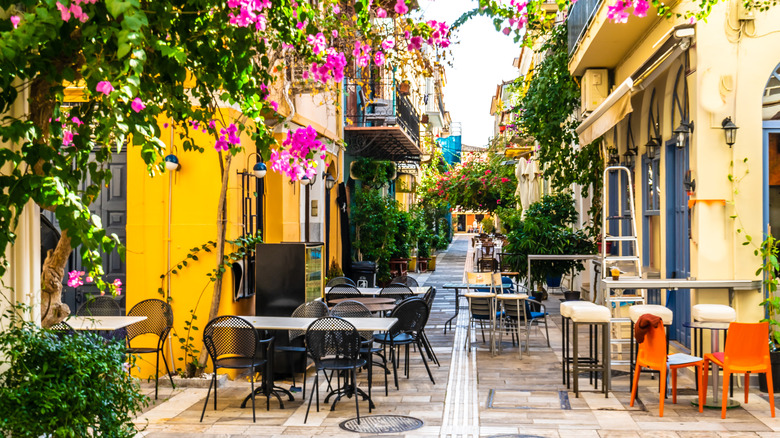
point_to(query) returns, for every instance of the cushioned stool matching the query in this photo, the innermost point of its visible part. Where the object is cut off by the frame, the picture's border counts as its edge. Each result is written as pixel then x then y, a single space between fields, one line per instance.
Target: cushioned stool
pixel 717 314
pixel 637 310
pixel 593 316
pixel 566 308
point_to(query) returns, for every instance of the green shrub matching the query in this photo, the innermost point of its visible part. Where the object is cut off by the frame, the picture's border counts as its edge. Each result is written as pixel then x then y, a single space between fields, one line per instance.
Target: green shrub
pixel 487 225
pixel 64 385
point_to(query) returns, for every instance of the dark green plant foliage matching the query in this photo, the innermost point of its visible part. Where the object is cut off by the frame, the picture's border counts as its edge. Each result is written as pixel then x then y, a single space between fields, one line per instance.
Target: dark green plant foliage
pixel 545 113
pixel 64 385
pixel 373 173
pixel 487 225
pixel 768 270
pixel 402 238
pixel 511 219
pixel 545 231
pixel 374 216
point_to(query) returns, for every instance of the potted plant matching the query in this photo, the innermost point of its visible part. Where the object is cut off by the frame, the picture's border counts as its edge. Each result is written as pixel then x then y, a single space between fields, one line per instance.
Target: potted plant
pixel 404 88
pixel 546 230
pixel 400 249
pixel 768 270
pixel 488 227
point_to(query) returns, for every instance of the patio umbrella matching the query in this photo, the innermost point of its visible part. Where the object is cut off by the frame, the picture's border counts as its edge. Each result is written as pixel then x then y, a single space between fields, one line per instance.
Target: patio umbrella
pixel 533 181
pixel 522 189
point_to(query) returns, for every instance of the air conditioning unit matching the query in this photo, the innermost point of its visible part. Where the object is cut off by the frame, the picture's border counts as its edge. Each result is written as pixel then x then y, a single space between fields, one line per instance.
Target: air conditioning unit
pixel 595 89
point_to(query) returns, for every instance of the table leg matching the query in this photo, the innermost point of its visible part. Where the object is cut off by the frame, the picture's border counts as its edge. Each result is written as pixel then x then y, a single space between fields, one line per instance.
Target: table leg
pixel 457 309
pixel 715 344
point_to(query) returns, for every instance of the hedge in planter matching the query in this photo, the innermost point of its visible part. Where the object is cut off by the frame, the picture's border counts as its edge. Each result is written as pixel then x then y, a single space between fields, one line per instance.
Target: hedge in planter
pixel 64 385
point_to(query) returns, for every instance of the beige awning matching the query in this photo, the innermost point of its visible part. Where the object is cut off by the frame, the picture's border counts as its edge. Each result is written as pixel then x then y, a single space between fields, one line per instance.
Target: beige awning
pixel 616 106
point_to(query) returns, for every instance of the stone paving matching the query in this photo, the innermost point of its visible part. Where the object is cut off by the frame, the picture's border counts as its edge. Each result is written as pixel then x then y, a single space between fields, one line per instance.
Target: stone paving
pixel 476 394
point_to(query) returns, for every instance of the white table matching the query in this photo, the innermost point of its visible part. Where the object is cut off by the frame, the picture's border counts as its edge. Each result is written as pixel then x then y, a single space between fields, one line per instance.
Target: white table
pixel 371 291
pixel 107 323
pixel 290 323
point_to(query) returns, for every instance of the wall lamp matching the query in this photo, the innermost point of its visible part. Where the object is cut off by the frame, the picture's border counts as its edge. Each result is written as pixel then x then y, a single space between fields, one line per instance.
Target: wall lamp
pixel 653 146
pixel 172 162
pixel 629 157
pixel 730 130
pixel 682 132
pixel 689 183
pixel 259 169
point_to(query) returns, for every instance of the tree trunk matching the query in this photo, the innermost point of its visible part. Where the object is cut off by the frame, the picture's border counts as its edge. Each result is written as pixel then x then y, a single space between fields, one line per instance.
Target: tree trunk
pixel 221 233
pixel 53 310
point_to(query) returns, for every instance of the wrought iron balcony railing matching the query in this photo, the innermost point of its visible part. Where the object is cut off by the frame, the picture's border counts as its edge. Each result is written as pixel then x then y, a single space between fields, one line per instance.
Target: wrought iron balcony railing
pixel 379 104
pixel 580 16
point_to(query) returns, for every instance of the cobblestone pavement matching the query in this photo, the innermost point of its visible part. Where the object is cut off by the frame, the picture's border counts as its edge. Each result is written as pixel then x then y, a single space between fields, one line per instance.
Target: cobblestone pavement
pixel 476 394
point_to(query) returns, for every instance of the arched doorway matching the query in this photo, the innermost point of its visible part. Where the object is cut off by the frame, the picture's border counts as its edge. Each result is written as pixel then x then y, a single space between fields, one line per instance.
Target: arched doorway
pixel 770 102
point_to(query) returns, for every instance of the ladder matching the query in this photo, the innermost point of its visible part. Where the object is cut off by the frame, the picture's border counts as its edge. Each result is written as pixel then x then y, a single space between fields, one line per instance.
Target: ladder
pixel 627 260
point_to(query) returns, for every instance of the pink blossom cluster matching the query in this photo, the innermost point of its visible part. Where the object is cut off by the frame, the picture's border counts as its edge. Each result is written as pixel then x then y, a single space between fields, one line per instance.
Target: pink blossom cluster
pixel 249 13
pixel 74 280
pixel 74 10
pixel 439 34
pixel 362 54
pixel 522 16
pixel 333 68
pixel 400 7
pixel 619 14
pixel 228 136
pixel 296 157
pixel 318 43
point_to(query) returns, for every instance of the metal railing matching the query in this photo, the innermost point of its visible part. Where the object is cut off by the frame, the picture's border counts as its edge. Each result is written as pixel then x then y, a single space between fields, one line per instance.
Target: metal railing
pixel 380 104
pixel 580 15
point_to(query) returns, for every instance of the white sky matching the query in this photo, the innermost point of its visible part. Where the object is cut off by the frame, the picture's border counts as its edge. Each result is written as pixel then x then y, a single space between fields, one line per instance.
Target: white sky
pixel 481 59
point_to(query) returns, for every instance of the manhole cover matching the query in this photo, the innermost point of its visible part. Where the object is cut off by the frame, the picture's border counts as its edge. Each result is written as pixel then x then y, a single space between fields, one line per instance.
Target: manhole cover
pixel 382 424
pixel 515 436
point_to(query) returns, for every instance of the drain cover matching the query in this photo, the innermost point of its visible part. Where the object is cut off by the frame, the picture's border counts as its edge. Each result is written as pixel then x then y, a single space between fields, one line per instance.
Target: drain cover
pixel 382 424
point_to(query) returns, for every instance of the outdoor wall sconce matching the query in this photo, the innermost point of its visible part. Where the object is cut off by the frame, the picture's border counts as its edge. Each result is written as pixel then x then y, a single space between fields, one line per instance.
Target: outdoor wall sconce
pixel 682 132
pixel 629 158
pixel 330 181
pixel 172 162
pixel 689 183
pixel 730 130
pixel 614 158
pixel 653 146
pixel 259 169
pixel 306 181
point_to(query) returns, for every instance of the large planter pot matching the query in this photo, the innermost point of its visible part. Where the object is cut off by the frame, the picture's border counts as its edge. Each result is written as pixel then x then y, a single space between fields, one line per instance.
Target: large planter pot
pixel 571 295
pixel 432 263
pixel 774 356
pixel 413 264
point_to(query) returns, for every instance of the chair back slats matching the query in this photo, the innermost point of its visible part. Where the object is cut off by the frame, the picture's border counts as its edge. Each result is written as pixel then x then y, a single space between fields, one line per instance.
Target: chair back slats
pixel 332 337
pixel 396 291
pixel 406 280
pixel 490 279
pixel 340 280
pixel 100 305
pixel 412 314
pixel 62 328
pixel 230 336
pixel 312 309
pixel 429 297
pixel 342 291
pixel 159 319
pixel 353 309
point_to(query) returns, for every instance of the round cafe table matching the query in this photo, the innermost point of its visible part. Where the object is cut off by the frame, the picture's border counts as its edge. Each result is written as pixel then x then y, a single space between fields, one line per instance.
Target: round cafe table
pixel 374 304
pixel 715 328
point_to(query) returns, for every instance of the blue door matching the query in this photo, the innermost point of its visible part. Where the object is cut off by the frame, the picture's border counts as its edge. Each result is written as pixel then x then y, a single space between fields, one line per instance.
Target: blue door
pixel 677 239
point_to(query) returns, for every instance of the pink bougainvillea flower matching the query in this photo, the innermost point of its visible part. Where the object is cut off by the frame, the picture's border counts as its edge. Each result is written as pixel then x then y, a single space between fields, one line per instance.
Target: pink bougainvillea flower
pixel 381 13
pixel 300 25
pixel 296 157
pixel 505 180
pixel 275 105
pixel 67 138
pixel 488 172
pixel 77 121
pixel 15 19
pixel 74 278
pixel 335 33
pixel 641 7
pixel 90 279
pixel 379 58
pixel 506 30
pixel 104 87
pixel 388 44
pixel 165 125
pixel 336 9
pixel 137 105
pixel 617 12
pixel 118 286
pixel 401 8
pixel 317 42
pixel 64 11
pixel 212 124
pixel 415 43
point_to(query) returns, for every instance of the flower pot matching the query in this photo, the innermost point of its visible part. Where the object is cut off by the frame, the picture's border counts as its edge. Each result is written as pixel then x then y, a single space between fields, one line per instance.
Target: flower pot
pixel 553 281
pixel 413 264
pixel 404 88
pixel 774 357
pixel 432 263
pixel 609 247
pixel 571 295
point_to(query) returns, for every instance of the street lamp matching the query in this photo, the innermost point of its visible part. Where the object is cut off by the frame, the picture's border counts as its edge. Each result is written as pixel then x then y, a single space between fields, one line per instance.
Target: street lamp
pixel 730 130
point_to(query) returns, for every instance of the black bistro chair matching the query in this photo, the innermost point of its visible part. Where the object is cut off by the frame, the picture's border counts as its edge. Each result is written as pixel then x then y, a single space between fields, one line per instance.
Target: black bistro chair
pixel 412 315
pixel 355 309
pixel 234 343
pixel 334 345
pixel 158 322
pixel 342 291
pixel 62 329
pixel 397 291
pixel 405 279
pixel 312 309
pixel 100 305
pixel 340 280
pixel 428 298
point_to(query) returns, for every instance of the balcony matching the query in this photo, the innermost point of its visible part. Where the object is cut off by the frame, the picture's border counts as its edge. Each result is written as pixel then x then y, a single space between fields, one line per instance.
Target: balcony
pixel 380 122
pixel 580 15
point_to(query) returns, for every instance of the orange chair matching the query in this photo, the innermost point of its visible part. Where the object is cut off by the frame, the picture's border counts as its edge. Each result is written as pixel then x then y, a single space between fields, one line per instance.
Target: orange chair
pixel 747 351
pixel 652 354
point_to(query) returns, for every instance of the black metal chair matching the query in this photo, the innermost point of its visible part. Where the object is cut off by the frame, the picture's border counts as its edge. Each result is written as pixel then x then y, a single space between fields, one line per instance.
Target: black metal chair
pixel 397 291
pixel 405 279
pixel 234 343
pixel 428 298
pixel 62 328
pixel 100 305
pixel 340 280
pixel 412 315
pixel 334 344
pixel 342 291
pixel 355 309
pixel 158 322
pixel 312 309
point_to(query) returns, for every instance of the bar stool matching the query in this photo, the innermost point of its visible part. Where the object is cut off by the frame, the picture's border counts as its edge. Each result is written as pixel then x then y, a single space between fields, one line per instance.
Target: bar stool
pixel 637 310
pixel 593 316
pixel 566 309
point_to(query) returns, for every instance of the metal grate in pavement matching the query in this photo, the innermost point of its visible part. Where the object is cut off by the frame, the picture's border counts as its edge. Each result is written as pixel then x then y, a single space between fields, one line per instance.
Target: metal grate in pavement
pixel 382 424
